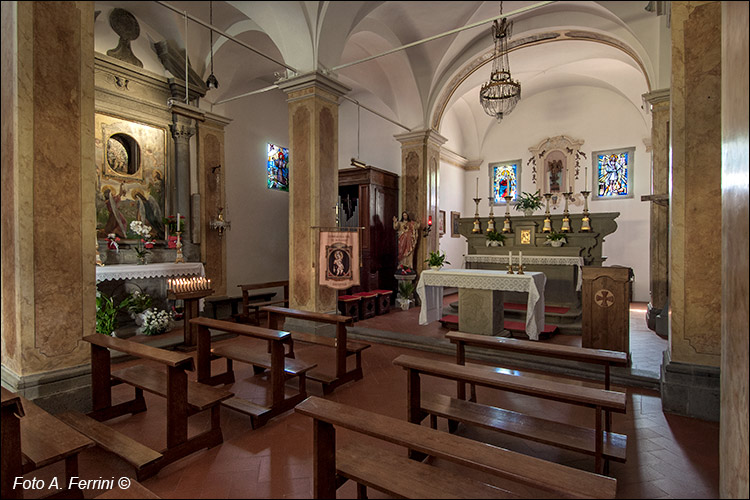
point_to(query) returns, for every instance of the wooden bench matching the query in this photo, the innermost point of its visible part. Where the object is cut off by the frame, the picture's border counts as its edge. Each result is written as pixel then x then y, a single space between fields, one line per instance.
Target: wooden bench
pixel 33 439
pixel 602 357
pixel 344 348
pixel 281 368
pixel 396 475
pixel 234 302
pixel 257 306
pixel 184 398
pixel 597 442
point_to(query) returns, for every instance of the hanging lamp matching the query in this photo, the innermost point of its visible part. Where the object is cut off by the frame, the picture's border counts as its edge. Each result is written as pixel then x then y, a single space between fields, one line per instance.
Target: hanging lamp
pixel 501 93
pixel 212 82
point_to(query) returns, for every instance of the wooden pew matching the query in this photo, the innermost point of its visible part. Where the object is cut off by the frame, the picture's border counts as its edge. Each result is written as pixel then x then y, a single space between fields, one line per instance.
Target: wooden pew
pixel 597 442
pixel 400 477
pixel 184 398
pixel 344 348
pixel 281 368
pixel 256 306
pixel 33 439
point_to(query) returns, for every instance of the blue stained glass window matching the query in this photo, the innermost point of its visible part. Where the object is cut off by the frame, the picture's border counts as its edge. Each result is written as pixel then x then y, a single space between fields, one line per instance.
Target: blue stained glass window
pixel 504 181
pixel 613 174
pixel 277 168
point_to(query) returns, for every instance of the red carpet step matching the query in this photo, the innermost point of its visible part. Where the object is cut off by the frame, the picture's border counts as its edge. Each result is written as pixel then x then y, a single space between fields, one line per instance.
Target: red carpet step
pixel 450 322
pixel 547 309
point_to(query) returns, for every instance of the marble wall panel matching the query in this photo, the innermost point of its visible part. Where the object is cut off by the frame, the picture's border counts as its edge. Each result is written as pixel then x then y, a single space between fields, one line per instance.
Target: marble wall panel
pixel 299 211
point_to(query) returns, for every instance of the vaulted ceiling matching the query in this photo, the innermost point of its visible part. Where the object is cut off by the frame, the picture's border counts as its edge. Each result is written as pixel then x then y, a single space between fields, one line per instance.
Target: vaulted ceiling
pixel 611 45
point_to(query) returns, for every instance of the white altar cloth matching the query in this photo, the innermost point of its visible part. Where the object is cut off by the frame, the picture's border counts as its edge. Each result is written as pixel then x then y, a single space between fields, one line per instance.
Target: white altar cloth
pixel 431 283
pixel 547 260
pixel 155 270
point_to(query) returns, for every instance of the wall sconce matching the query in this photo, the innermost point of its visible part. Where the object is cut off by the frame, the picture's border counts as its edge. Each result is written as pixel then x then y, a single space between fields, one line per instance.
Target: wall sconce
pixel 220 224
pixel 426 230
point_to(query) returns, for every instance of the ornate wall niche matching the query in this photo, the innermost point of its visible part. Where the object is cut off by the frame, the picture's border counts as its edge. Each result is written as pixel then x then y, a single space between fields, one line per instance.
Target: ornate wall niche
pixel 555 164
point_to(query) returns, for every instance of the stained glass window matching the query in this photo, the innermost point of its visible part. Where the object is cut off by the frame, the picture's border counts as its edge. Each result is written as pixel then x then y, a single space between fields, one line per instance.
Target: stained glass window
pixel 504 180
pixel 277 169
pixel 613 173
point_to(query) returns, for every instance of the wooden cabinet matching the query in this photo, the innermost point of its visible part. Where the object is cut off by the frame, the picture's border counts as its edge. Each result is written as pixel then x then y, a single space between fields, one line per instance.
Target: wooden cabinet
pixel 368 197
pixel 606 308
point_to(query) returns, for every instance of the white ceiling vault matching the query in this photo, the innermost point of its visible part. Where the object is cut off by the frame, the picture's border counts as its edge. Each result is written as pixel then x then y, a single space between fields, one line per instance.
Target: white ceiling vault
pixel 618 46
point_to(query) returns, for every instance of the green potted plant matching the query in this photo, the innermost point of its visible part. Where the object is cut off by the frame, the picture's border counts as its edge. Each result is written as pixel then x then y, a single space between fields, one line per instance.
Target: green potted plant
pixel 436 260
pixel 556 239
pixel 495 239
pixel 136 302
pixel 405 293
pixel 528 202
pixel 106 314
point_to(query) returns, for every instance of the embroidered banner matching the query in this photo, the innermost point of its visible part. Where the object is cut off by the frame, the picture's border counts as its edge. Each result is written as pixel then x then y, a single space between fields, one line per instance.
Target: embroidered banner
pixel 339 259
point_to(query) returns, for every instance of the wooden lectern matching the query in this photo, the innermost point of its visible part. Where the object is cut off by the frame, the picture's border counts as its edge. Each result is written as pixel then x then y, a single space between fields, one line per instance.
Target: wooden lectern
pixel 606 308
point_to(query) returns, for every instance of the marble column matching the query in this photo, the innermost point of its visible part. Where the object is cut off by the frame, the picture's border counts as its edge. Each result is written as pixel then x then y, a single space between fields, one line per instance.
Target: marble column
pixel 48 193
pixel 183 128
pixel 313 101
pixel 690 375
pixel 659 216
pixel 734 474
pixel 212 186
pixel 420 178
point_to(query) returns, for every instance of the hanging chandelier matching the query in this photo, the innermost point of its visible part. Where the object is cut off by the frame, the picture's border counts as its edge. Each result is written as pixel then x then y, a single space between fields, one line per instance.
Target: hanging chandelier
pixel 212 82
pixel 501 93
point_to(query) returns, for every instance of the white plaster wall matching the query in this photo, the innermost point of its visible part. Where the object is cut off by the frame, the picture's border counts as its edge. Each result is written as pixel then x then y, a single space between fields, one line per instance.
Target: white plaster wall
pixel 258 242
pixel 377 146
pixel 451 196
pixel 603 120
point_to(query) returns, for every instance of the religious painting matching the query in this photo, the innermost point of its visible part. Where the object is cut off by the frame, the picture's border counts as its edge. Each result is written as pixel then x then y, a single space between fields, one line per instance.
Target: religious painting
pixel 339 259
pixel 504 181
pixel 525 236
pixel 613 174
pixel 131 160
pixel 277 168
pixel 441 222
pixel 455 216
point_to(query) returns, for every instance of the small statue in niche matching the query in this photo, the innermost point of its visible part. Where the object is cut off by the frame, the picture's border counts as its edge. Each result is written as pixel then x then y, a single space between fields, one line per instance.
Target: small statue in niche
pixel 126 26
pixel 555 172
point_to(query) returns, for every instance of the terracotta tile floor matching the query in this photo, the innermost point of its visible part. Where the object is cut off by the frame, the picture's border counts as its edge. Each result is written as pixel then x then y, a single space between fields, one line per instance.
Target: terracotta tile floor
pixel 668 456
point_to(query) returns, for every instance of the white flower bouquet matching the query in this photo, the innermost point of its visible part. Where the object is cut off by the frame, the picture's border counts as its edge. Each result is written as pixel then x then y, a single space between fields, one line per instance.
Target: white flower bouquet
pixel 155 322
pixel 143 232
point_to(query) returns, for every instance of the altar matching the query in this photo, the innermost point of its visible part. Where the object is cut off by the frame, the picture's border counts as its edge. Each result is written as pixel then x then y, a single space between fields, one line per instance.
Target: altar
pixel 480 298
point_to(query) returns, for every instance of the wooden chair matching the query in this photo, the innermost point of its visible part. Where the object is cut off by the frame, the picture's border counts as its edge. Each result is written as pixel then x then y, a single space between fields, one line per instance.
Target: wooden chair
pixel 396 475
pixel 368 306
pixel 184 398
pixel 281 368
pixel 349 306
pixel 33 439
pixel 256 306
pixel 344 348
pixel 597 442
pixel 383 303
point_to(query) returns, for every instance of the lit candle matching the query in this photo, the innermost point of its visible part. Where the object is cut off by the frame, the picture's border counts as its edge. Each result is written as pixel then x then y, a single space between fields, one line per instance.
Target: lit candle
pixel 520 259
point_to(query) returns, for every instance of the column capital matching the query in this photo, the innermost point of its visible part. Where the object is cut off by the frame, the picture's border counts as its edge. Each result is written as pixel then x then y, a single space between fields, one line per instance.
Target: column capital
pixel 657 97
pixel 421 137
pixel 182 131
pixel 316 83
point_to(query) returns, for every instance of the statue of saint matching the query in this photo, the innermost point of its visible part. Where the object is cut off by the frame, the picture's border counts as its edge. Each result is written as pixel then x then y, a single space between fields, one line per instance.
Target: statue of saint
pixel 408 233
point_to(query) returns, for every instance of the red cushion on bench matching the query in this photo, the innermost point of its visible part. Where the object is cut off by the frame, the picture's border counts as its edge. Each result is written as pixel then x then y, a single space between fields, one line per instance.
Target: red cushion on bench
pixel 348 297
pixel 366 294
pixel 383 292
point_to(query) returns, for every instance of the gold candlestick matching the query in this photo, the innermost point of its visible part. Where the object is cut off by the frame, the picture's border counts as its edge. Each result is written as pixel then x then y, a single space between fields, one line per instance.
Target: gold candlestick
pixel 510 268
pixel 566 219
pixel 585 221
pixel 520 269
pixel 179 257
pixel 506 222
pixel 547 228
pixel 477 227
pixel 491 222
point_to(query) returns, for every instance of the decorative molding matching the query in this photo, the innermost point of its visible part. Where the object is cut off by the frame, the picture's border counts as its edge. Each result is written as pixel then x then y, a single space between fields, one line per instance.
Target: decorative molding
pixel 453 158
pixel 317 83
pixel 657 97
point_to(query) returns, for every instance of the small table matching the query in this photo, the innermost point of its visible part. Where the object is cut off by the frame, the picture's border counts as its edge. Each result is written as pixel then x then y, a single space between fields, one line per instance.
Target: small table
pixel 488 301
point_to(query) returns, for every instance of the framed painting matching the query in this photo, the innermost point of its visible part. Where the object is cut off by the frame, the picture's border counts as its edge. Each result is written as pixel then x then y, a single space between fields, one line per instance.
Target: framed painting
pixel 505 180
pixel 441 222
pixel 277 168
pixel 455 233
pixel 612 174
pixel 130 165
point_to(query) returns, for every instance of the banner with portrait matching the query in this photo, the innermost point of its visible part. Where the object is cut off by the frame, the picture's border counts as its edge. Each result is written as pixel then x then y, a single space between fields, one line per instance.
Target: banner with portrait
pixel 339 259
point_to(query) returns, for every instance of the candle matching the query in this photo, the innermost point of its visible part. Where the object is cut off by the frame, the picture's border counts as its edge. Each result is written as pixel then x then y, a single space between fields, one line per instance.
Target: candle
pixel 520 259
pixel 510 258
pixel 476 195
pixel 586 178
pixel 571 182
pixel 178 222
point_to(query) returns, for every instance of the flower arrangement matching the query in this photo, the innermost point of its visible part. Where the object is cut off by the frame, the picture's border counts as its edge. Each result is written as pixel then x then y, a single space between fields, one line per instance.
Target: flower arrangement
pixel 529 201
pixel 113 242
pixel 494 236
pixel 555 239
pixel 143 232
pixel 155 322
pixel 136 302
pixel 402 269
pixel 436 259
pixel 106 314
